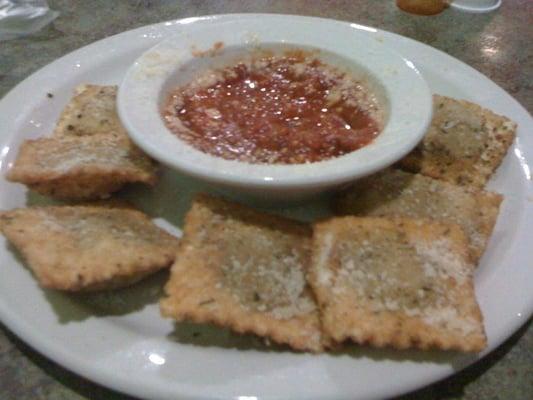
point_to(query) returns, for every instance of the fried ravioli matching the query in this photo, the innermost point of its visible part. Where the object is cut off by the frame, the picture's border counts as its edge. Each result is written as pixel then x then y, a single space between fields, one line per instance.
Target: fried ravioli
pixel 86 248
pixel 396 193
pixel 396 282
pixel 245 270
pixel 464 144
pixel 80 168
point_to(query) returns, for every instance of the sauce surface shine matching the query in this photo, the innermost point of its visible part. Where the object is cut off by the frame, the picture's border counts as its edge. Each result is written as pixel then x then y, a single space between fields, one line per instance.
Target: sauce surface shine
pixel 287 109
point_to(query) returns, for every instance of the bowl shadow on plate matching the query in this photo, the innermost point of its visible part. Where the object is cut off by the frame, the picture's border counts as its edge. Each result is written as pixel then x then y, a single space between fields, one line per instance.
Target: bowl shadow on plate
pixel 455 359
pixel 77 307
pixel 34 199
pixel 61 303
pixel 207 335
pixel 169 199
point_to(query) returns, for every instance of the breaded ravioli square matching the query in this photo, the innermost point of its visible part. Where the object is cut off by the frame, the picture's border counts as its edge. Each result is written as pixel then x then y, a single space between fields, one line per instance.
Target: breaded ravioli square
pixel 398 193
pixel 245 270
pixel 86 167
pixel 85 248
pixel 92 111
pixel 396 282
pixel 464 145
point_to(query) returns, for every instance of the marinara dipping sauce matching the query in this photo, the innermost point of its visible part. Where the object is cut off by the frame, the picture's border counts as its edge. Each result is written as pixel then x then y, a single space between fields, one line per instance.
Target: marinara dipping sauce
pixel 276 109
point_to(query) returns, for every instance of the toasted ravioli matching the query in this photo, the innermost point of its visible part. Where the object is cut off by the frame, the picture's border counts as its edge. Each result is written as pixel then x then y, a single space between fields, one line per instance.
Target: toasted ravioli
pixel 84 248
pixel 464 144
pixel 241 269
pixel 80 167
pixel 397 193
pixel 92 111
pixel 89 155
pixel 396 282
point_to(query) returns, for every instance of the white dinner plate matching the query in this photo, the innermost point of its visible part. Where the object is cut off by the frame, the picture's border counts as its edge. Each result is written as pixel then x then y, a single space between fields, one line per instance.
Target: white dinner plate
pixel 119 339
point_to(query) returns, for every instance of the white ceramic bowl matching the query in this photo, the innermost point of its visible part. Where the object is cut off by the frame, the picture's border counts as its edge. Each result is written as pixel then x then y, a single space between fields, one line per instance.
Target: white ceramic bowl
pixel 175 61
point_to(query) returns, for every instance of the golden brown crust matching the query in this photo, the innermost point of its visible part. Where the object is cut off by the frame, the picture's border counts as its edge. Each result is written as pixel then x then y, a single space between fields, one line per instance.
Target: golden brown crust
pixel 84 248
pixel 80 168
pixel 242 269
pixel 464 145
pixel 92 111
pixel 396 282
pixel 89 155
pixel 398 193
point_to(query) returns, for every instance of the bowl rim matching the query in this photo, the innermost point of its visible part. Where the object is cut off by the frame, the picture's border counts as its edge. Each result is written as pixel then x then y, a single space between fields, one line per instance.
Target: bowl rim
pixel 408 94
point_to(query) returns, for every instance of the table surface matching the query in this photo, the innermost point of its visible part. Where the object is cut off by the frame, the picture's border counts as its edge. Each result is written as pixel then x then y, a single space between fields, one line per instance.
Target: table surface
pixel 498 44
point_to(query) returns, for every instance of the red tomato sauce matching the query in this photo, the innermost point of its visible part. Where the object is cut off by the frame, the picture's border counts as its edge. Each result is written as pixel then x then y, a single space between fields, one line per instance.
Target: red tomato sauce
pixel 286 110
